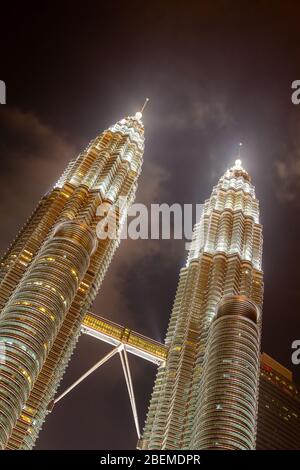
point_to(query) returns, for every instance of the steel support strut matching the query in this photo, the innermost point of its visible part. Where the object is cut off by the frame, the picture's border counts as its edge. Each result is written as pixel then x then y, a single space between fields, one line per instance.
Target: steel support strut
pixel 90 371
pixel 127 375
pixel 121 349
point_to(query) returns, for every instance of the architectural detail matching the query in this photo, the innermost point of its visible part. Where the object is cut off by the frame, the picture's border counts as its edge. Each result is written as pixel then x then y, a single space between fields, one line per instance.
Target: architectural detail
pixel 278 424
pixel 224 260
pixel 52 272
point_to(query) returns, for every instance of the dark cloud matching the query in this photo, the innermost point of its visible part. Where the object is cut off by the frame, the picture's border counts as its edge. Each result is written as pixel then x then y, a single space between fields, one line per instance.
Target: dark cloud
pixel 31 154
pixel 288 175
pixel 201 107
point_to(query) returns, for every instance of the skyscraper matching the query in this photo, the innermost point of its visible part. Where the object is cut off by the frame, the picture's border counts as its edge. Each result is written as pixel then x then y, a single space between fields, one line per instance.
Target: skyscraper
pixel 52 272
pixel 278 424
pixel 223 274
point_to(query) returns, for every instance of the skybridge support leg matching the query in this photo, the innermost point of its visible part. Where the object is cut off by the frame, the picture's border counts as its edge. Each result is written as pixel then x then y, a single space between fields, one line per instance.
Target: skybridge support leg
pixel 127 375
pixel 84 376
pixel 121 349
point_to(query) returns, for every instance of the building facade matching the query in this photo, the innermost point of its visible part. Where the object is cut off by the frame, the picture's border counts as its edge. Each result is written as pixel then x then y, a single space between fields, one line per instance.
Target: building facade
pixel 278 424
pixel 224 260
pixel 227 407
pixel 52 272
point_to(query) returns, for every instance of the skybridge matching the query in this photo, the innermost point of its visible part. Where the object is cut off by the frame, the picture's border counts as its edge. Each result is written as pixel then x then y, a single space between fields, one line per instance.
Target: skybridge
pixel 123 340
pixel 114 334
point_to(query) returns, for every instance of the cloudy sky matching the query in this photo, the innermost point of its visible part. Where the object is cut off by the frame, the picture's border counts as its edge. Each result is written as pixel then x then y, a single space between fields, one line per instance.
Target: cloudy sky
pixel 217 73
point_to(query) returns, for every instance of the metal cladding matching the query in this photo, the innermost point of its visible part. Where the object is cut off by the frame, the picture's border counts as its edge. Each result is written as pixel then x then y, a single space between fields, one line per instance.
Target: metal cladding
pixel 224 260
pixel 52 272
pixel 227 407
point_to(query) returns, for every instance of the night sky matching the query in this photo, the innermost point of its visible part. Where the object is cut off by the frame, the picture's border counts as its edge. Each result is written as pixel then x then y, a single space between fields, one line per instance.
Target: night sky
pixel 216 73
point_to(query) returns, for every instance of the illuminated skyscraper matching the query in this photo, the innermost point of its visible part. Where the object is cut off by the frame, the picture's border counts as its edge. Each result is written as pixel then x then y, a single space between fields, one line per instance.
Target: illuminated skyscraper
pixel 278 424
pixel 52 272
pixel 205 395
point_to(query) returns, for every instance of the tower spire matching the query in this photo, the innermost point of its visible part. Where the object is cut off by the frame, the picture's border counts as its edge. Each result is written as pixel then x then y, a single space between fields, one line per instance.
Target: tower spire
pixel 238 162
pixel 144 105
pixel 139 114
pixel 240 148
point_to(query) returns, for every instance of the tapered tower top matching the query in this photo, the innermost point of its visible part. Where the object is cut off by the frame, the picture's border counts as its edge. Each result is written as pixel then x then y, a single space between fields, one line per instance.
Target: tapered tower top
pixel 132 126
pixel 132 122
pixel 237 169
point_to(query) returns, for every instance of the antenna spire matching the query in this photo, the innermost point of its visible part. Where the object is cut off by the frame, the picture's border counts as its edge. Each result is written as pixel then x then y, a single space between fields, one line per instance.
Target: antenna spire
pixel 139 114
pixel 238 162
pixel 240 148
pixel 144 105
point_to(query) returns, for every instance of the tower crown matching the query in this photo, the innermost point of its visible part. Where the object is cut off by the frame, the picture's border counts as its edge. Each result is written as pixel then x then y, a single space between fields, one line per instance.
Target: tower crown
pixel 237 171
pixel 136 120
pixel 238 164
pixel 131 126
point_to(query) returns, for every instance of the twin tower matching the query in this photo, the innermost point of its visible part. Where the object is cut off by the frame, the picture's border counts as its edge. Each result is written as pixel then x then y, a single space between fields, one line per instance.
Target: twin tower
pixel 205 394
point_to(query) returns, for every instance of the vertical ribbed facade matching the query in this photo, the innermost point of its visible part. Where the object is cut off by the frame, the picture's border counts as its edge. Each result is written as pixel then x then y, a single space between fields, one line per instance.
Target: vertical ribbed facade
pixel 227 406
pixel 52 272
pixel 224 259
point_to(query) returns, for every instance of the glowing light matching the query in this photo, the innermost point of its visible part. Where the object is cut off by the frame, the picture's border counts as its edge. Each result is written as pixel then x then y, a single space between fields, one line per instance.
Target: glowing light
pixel 138 115
pixel 238 163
